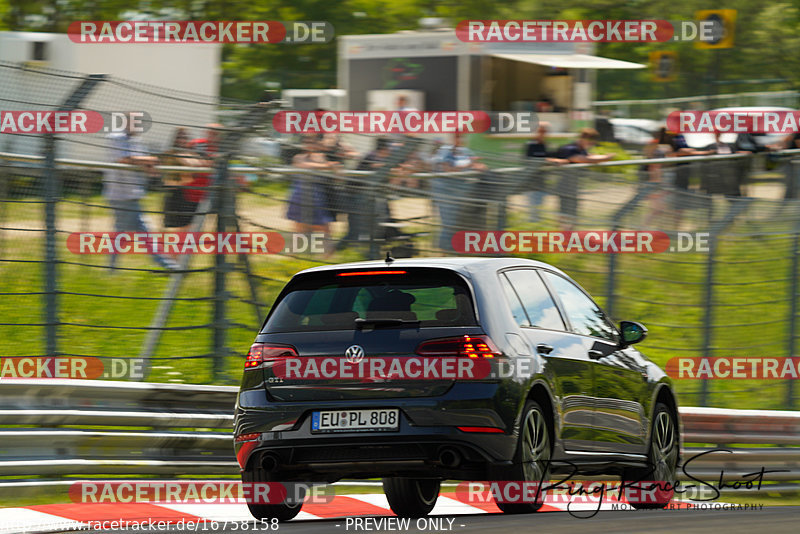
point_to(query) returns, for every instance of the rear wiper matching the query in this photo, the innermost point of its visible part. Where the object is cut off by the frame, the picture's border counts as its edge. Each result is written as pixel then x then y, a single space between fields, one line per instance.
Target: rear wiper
pixel 360 323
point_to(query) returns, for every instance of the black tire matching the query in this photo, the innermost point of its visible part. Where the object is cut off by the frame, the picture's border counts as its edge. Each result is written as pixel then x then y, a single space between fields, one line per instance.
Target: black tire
pixel 531 461
pixel 282 512
pixel 662 458
pixel 411 497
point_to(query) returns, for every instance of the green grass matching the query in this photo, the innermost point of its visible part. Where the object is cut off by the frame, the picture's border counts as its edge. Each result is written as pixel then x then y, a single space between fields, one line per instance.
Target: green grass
pixel 664 291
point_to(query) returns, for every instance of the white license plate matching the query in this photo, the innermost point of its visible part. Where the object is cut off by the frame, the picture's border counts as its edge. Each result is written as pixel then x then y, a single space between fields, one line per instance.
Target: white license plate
pixel 356 421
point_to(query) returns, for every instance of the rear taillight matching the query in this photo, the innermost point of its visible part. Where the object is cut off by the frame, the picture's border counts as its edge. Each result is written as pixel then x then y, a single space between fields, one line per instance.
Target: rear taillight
pixel 471 346
pixel 262 352
pixel 247 437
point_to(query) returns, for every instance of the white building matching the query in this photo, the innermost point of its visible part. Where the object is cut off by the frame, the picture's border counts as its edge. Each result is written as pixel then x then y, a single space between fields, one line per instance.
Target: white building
pixel 145 76
pixel 438 72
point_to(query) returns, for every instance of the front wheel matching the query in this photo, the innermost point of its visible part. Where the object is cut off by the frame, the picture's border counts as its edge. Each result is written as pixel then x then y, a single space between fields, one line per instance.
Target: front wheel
pixel 411 497
pixel 660 477
pixel 532 459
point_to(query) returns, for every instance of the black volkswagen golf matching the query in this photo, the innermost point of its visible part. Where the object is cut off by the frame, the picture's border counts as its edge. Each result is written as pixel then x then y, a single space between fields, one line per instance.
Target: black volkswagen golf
pixel 517 374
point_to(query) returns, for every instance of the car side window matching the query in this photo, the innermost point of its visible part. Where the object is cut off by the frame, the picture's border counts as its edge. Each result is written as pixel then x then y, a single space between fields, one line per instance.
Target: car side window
pixel 513 302
pixel 539 306
pixel 584 315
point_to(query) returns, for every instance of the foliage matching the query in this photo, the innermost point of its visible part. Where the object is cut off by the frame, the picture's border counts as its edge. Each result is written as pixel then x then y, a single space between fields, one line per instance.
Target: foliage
pixel 765 43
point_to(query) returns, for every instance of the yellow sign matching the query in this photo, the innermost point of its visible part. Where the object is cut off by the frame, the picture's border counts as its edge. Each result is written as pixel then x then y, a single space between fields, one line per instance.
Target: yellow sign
pixel 664 66
pixel 716 28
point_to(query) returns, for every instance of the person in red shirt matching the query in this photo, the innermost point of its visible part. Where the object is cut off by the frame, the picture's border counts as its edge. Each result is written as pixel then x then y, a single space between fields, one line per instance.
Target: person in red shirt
pixel 208 149
pixel 180 203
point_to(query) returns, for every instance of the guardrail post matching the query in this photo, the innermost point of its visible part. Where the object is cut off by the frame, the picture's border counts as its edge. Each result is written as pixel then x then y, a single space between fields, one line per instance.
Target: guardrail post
pixel 51 190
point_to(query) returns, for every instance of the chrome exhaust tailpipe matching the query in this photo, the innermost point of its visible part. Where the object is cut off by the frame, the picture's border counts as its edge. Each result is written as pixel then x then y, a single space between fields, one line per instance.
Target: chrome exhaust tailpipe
pixel 270 462
pixel 449 457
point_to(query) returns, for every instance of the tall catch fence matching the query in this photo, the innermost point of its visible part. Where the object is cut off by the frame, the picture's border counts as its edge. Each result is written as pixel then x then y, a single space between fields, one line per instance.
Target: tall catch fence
pixel 659 108
pixel 736 295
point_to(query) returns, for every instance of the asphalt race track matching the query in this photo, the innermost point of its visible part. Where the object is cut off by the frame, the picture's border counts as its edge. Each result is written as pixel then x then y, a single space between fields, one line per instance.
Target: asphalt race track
pixel 774 520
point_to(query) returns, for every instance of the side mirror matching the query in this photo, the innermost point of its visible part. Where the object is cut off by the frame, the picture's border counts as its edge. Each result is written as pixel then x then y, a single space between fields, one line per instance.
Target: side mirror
pixel 632 332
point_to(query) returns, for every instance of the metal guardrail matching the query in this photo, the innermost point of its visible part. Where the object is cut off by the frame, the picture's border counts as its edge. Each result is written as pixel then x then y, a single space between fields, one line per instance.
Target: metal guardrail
pixel 85 427
pixel 778 433
pixel 283 169
pixel 50 429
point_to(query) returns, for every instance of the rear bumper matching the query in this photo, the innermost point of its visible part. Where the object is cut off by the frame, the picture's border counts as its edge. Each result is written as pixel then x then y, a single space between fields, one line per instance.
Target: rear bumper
pixel 369 458
pixel 428 426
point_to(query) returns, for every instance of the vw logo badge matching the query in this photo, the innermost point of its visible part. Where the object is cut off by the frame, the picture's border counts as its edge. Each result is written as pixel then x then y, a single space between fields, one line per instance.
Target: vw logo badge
pixel 354 353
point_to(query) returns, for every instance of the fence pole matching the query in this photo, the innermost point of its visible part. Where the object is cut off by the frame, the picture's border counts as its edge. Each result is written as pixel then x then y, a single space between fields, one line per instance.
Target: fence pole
pixel 715 229
pixel 794 273
pixel 50 251
pixel 226 220
pixel 210 204
pixel 4 178
pixel 792 179
pixel 221 269
pixel 642 193
pixel 51 194
pixel 708 315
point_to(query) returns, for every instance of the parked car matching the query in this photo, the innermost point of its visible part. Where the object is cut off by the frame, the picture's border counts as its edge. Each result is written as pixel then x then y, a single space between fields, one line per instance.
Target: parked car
pixel 634 133
pixel 585 396
pixel 761 141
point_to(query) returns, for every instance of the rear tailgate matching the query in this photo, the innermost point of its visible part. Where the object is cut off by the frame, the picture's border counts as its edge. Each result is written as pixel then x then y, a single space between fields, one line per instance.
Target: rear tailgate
pixel 332 320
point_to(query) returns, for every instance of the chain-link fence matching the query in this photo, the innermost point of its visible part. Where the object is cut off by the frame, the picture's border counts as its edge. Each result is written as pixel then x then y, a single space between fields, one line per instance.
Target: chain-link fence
pixel 190 318
pixel 659 108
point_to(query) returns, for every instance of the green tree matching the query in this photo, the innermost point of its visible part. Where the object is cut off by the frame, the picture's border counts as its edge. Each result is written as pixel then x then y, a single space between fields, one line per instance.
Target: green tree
pixel 765 45
pixel 4 10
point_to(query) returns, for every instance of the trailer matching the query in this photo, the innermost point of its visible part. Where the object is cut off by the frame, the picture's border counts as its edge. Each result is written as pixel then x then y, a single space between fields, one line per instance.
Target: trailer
pixel 556 80
pixel 171 83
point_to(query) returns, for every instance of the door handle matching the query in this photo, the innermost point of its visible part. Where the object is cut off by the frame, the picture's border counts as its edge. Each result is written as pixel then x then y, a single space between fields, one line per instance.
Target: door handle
pixel 543 348
pixel 595 354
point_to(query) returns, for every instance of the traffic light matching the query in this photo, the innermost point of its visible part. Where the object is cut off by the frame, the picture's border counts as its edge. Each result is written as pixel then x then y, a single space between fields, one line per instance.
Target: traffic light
pixel 723 22
pixel 664 66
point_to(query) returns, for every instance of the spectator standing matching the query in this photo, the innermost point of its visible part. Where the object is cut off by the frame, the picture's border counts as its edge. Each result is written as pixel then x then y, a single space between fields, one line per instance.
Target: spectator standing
pixel 445 190
pixel 655 173
pixel 404 105
pixel 357 194
pixel 575 152
pixel 182 197
pixel 124 189
pixel 208 150
pixel 308 206
pixel 536 151
pixel 790 142
pixel 722 176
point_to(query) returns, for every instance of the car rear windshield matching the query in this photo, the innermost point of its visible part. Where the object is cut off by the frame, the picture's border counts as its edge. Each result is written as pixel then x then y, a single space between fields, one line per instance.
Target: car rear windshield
pixel 408 297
